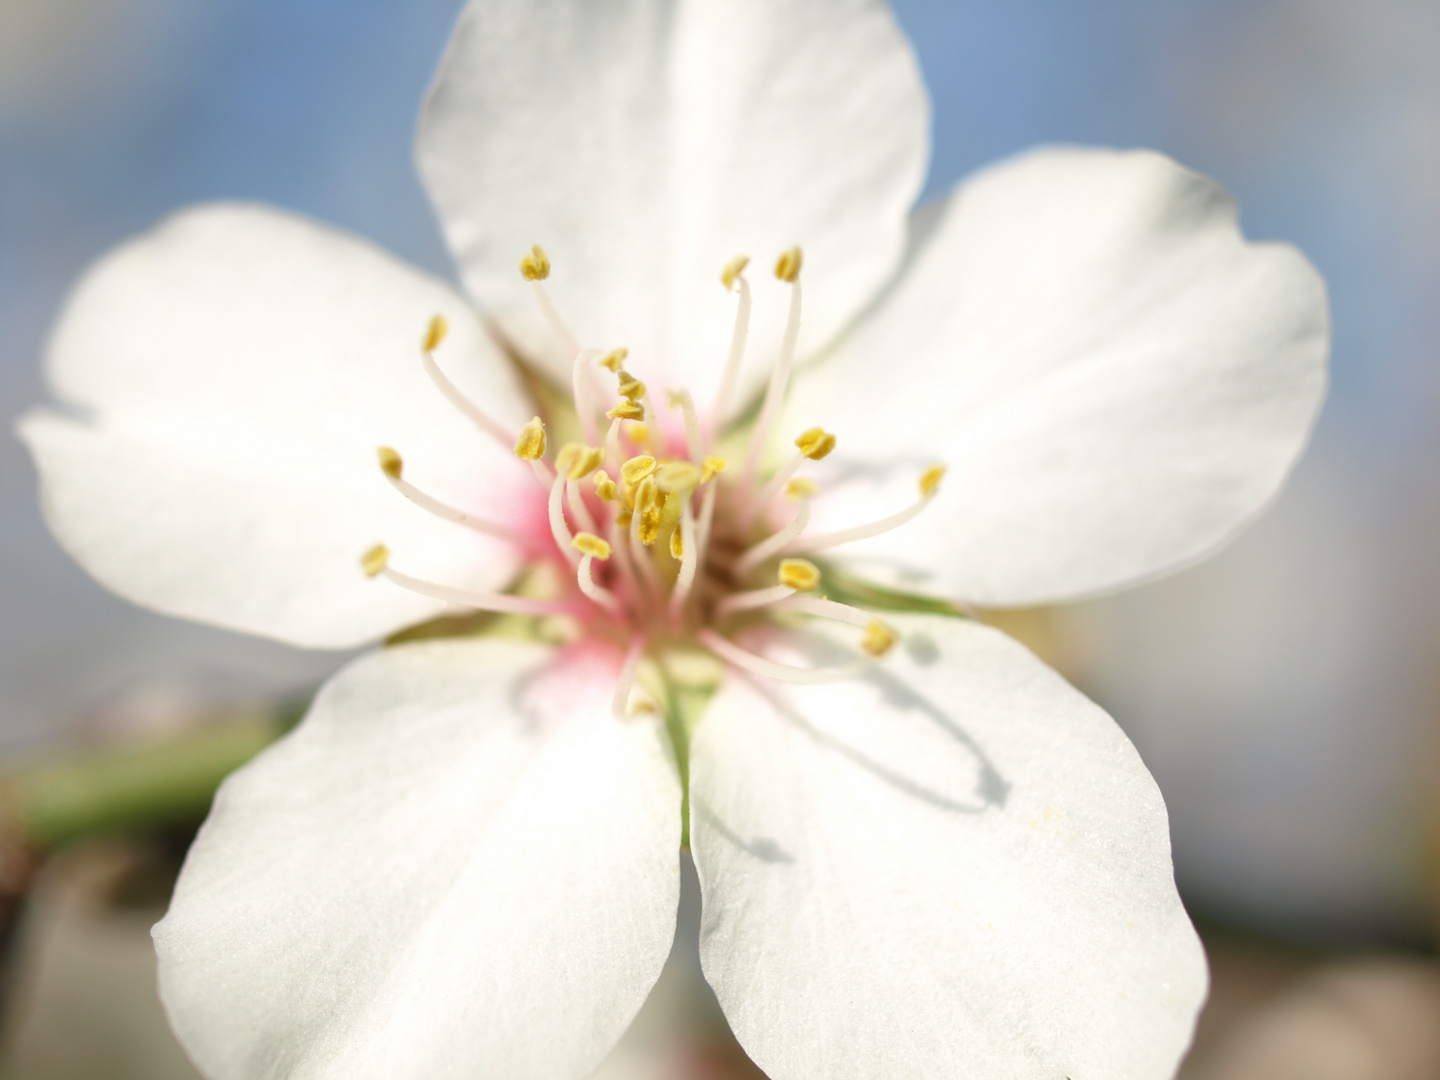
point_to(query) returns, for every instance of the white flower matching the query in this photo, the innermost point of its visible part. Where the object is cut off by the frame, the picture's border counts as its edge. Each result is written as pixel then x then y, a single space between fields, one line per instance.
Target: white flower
pixel 465 860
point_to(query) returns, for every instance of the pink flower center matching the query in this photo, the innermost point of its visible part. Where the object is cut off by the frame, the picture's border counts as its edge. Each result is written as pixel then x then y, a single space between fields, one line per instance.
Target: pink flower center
pixel 660 540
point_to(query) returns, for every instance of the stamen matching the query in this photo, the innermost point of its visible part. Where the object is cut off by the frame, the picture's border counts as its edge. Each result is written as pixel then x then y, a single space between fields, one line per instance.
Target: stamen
pixel 392 465
pixel 677 477
pixel 929 486
pixel 752 598
pixel 677 545
pixel 710 468
pixel 812 446
pixel 627 410
pixel 535 268
pixel 733 269
pixel 630 387
pixel 879 638
pixel 577 461
pixel 435 332
pixel 530 446
pixel 772 545
pixel 815 443
pixel 779 378
pixel 634 471
pixel 605 488
pixel 558 528
pixel 480 601
pixel 581 388
pixel 799 574
pixel 734 272
pixel 583 577
pixel 758 665
pixel 588 543
pixel 707 518
pixel 689 559
pixel 650 526
pixel 802 487
pixel 476 415
pixel 578 510
pixel 787 267
pixel 620 704
pixel 638 554
pixel 375 559
pixel 686 404
pixel 613 360
pixel 618 537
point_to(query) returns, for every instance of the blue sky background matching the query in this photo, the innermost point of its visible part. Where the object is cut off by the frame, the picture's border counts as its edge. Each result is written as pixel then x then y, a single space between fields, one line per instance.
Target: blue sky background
pixel 1284 695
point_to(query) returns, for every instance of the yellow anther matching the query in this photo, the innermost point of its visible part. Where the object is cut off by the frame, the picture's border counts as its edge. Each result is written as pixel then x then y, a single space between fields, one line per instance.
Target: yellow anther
pixel 799 574
pixel 436 333
pixel 627 410
pixel 536 265
pixel 646 496
pixel 650 526
pixel 710 468
pixel 930 480
pixel 605 487
pixel 677 476
pixel 391 463
pixel 567 455
pixel 637 469
pixel 590 544
pixel 530 446
pixel 802 487
pixel 622 518
pixel 733 269
pixel 577 461
pixel 879 639
pixel 613 360
pixel 631 388
pixel 637 433
pixel 375 560
pixel 815 443
pixel 787 267
pixel 677 545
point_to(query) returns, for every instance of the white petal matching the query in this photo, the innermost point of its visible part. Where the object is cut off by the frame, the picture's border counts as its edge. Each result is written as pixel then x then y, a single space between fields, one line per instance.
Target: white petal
pixel 459 865
pixel 643 143
pixel 1115 378
pixel 956 866
pixel 229 377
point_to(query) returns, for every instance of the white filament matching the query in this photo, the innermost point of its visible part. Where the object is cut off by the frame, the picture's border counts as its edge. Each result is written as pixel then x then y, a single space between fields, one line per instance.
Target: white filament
pixel 620 703
pixel 732 363
pixel 449 513
pixel 758 665
pixel 478 416
pixel 821 541
pixel 779 383
pixel 481 601
pixel 689 560
pixel 744 601
pixel 827 609
pixel 598 593
pixel 558 327
pixel 558 528
pixel 773 545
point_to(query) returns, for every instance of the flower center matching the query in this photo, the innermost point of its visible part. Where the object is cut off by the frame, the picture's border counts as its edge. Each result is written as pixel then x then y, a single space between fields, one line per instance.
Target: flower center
pixel 660 541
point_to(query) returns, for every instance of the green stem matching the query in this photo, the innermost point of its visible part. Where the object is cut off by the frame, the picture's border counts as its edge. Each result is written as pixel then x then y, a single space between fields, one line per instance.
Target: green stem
pixel 156 783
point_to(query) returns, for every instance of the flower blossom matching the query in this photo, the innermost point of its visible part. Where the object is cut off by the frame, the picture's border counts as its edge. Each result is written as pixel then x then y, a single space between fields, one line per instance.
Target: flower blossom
pixel 713 529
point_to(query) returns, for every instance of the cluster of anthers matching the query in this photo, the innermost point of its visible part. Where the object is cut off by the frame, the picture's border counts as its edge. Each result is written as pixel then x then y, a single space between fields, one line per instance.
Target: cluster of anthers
pixel 659 542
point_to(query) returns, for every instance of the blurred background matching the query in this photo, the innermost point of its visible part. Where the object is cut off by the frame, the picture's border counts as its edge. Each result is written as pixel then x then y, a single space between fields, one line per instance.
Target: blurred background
pixel 1286 694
